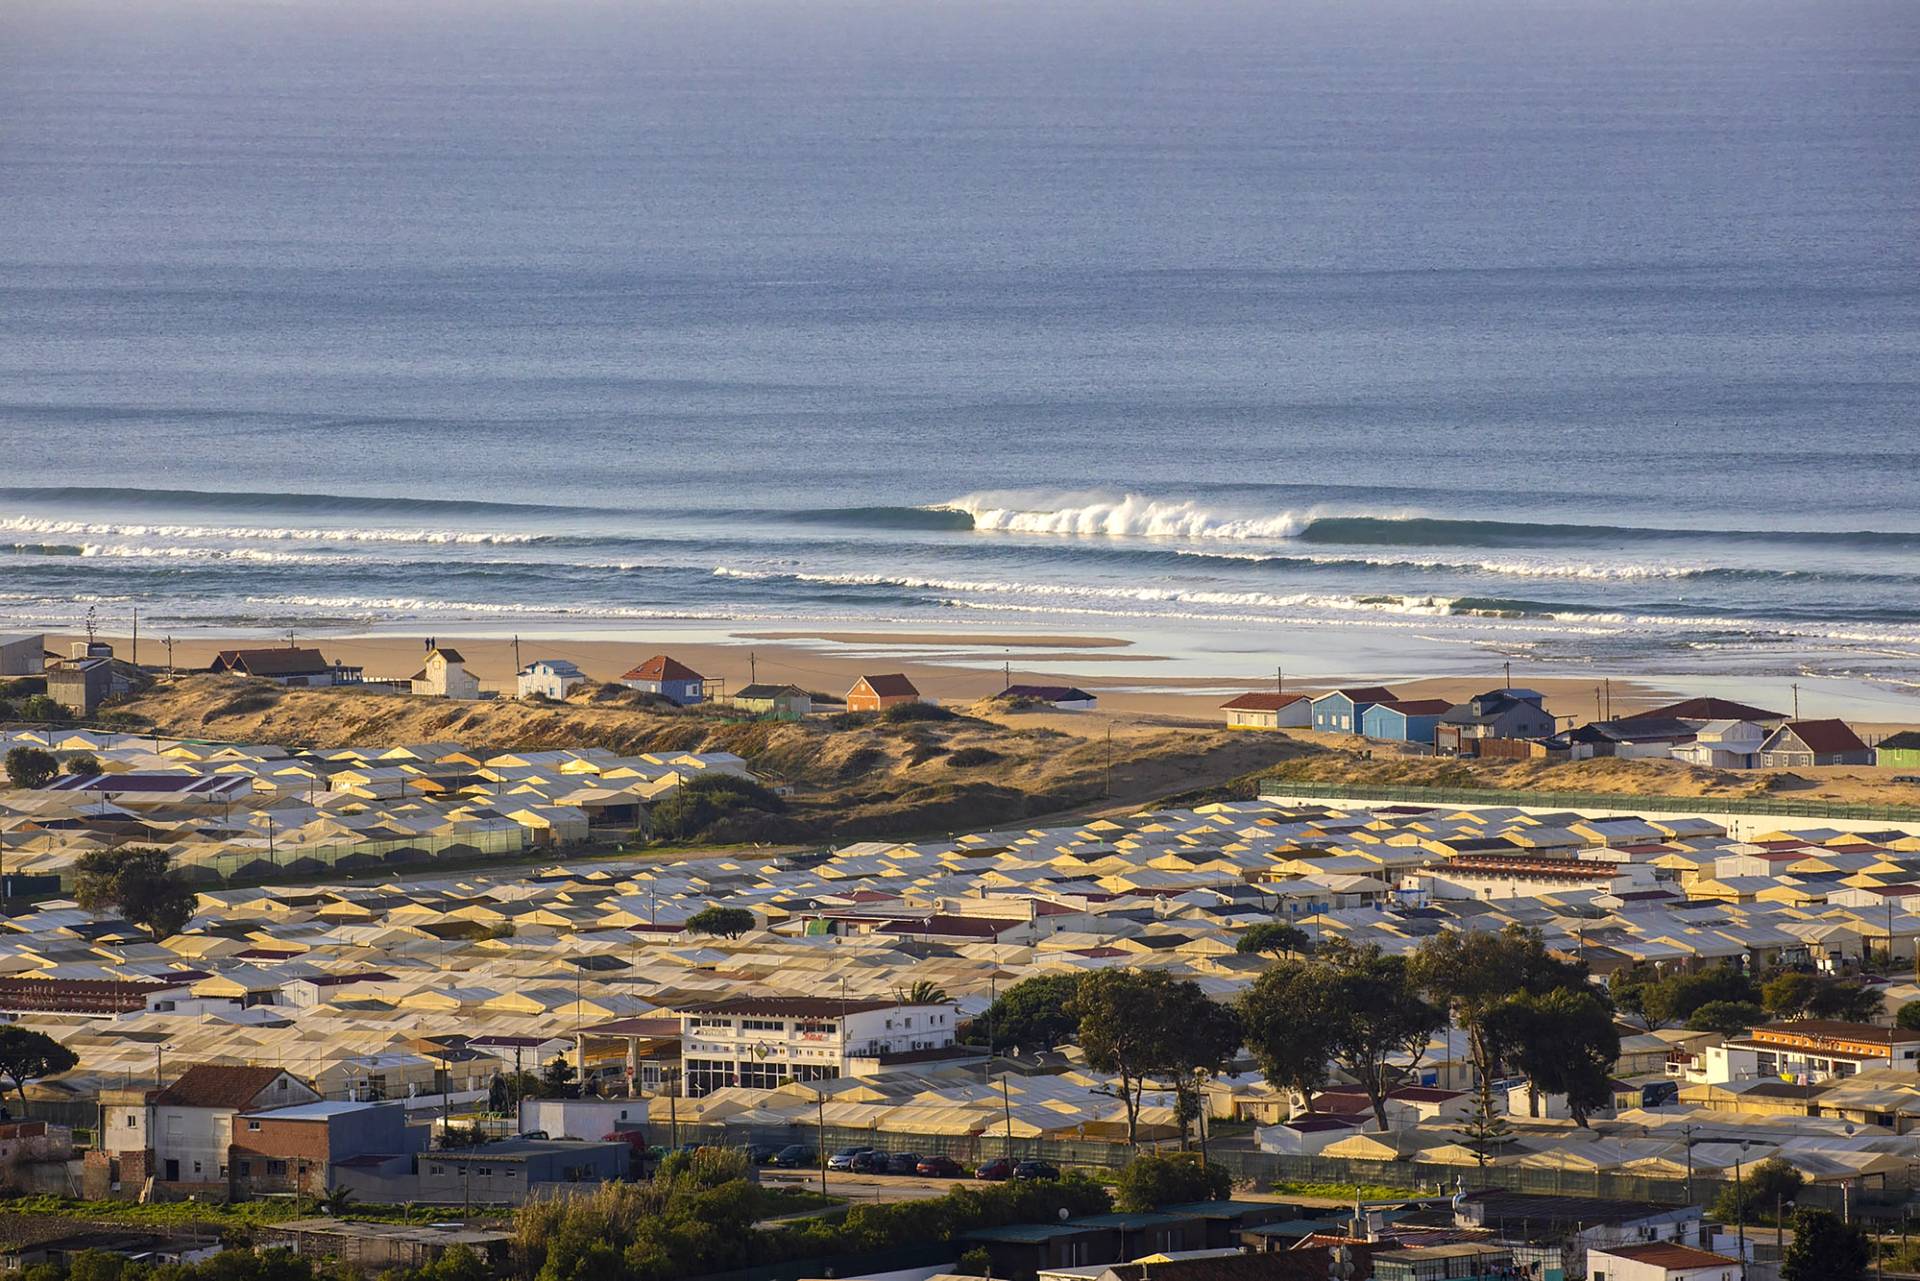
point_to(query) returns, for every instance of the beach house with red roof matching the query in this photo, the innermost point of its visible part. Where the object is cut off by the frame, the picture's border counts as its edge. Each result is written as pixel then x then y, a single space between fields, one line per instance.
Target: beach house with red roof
pixel 878 693
pixel 1799 744
pixel 670 678
pixel 1268 711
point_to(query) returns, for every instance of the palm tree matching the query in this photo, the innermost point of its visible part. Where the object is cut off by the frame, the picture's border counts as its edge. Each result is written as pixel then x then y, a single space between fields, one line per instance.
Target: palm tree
pixel 337 1201
pixel 925 992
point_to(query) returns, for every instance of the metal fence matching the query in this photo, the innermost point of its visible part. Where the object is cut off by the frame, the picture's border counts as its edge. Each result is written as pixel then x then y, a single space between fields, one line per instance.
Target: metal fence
pixel 1589 800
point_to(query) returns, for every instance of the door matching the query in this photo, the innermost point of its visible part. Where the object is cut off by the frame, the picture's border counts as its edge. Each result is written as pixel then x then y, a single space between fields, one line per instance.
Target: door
pixel 173 1171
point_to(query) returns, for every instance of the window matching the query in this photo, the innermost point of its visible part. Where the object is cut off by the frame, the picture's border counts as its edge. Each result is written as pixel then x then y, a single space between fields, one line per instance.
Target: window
pixel 276 1169
pixel 713 1022
pixel 764 1025
pixel 133 1121
pixel 196 1167
pixel 253 1127
pixel 246 1169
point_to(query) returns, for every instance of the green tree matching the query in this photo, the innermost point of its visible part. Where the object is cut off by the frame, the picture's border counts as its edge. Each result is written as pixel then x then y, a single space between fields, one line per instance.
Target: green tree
pixel 1273 939
pixel 137 884
pixel 1565 1042
pixel 1376 1020
pixel 82 765
pixel 1729 1018
pixel 30 767
pixel 1908 1016
pixel 690 809
pixel 1759 1189
pixel 41 708
pixel 1033 1013
pixel 1484 978
pixel 729 921
pixel 1139 1024
pixel 26 1055
pixel 1287 1026
pixel 1674 998
pixel 1485 1130
pixel 556 1079
pixel 1797 994
pixel 1154 1179
pixel 1824 1249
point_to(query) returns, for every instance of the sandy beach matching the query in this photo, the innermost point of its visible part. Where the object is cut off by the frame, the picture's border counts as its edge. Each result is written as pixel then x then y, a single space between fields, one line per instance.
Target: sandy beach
pixel 951 667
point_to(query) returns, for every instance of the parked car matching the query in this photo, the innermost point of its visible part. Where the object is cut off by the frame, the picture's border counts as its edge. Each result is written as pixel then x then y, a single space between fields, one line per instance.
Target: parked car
pixel 939 1167
pixel 759 1153
pixel 1035 1170
pixel 843 1159
pixel 795 1156
pixel 904 1163
pixel 997 1170
pixel 872 1161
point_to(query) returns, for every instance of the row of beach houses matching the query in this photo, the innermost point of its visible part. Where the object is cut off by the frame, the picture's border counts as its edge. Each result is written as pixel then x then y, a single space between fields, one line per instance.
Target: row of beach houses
pixel 1513 723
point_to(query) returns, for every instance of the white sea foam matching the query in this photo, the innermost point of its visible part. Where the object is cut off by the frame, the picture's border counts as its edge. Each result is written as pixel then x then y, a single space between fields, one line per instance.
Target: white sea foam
pixel 254 533
pixel 1130 516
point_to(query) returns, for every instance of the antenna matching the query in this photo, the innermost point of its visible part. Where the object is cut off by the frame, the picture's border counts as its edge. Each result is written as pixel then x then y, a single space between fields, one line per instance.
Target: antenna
pixel 1279 680
pixel 1509 667
pixel 1796 700
pixel 753 668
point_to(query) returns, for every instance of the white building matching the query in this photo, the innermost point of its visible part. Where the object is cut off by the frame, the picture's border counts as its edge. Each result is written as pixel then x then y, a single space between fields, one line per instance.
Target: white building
pixel 1660 1261
pixel 445 675
pixel 552 678
pixel 22 653
pixel 762 1042
pixel 182 1134
pixel 1810 1050
pixel 1724 745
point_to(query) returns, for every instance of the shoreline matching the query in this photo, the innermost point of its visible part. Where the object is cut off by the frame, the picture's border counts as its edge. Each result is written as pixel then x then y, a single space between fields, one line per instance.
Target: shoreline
pixel 1133 674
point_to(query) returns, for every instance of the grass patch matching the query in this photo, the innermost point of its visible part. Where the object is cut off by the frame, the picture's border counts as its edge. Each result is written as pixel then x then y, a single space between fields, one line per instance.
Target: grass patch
pixel 1342 1191
pixel 182 1213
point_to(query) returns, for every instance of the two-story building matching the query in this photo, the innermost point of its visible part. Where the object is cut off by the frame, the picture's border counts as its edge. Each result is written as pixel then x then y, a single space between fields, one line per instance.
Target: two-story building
pixel 1339 711
pixel 762 1042
pixel 181 1135
pixel 445 675
pixel 552 678
pixel 1810 1050
pixel 295 1149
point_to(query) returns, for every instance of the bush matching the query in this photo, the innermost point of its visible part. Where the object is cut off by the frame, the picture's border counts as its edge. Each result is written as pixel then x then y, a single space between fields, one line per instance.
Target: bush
pixel 972 757
pixel 910 713
pixel 688 811
pixel 41 708
pixel 82 765
pixel 849 720
pixel 1154 1179
pixel 1770 1183
pixel 1909 1016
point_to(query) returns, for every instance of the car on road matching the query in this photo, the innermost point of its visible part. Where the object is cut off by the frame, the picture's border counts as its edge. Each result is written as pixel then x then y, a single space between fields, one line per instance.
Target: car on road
pixel 872 1161
pixel 795 1156
pixel 1035 1170
pixel 939 1167
pixel 904 1163
pixel 997 1170
pixel 843 1159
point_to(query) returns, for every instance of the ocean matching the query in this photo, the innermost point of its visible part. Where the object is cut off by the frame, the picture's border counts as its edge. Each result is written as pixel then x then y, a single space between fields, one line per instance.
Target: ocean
pixel 1401 336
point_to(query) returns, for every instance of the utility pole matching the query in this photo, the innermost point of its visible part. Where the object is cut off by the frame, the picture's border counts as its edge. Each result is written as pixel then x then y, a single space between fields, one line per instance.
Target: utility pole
pixel 290 638
pixel 1006 675
pixel 1279 680
pixel 1609 686
pixel 1509 667
pixel 516 655
pixel 753 668
pixel 1596 704
pixel 169 657
pixel 1796 700
pixel 136 636
pixel 1109 758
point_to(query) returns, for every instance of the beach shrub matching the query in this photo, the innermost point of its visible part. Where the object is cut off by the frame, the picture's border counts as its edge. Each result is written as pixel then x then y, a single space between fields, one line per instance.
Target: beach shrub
pixel 690 810
pixel 912 713
pixel 972 758
pixel 849 720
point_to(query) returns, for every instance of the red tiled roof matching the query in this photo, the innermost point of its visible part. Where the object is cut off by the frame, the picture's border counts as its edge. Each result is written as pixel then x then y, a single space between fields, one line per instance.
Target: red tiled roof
pixel 1825 736
pixel 662 668
pixel 891 685
pixel 1418 706
pixel 216 1085
pixel 1670 1255
pixel 1261 702
pixel 1706 709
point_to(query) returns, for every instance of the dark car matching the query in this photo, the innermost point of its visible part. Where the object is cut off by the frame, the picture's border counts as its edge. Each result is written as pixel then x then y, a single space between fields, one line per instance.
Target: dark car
pixel 795 1156
pixel 939 1167
pixel 759 1153
pixel 872 1161
pixel 904 1163
pixel 843 1159
pixel 1035 1170
pixel 995 1171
